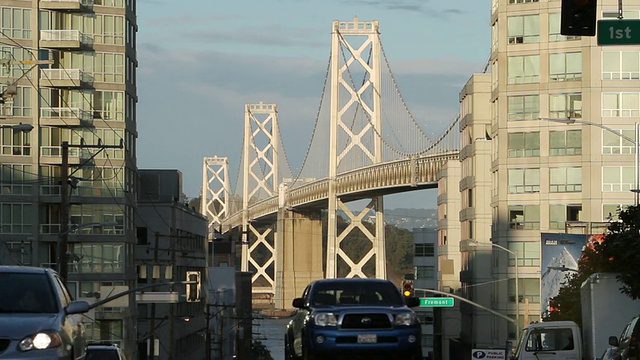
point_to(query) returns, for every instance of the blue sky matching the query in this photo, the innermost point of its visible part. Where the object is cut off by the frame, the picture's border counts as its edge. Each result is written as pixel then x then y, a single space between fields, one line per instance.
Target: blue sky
pixel 201 61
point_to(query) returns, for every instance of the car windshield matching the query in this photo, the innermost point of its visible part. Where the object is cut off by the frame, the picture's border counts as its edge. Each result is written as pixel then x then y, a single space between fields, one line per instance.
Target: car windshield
pixel 356 293
pixel 26 293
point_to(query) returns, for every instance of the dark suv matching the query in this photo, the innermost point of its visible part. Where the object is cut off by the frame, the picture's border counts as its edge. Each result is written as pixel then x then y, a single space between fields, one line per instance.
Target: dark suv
pixel 628 346
pixel 38 319
pixel 353 318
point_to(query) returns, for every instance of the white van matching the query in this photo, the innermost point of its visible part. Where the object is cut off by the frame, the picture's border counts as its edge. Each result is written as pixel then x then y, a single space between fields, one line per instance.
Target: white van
pixel 550 341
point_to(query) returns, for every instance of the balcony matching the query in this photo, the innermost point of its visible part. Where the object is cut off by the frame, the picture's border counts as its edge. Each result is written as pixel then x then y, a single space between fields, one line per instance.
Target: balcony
pixel 65 117
pixel 67 5
pixel 65 78
pixel 65 39
pixel 52 155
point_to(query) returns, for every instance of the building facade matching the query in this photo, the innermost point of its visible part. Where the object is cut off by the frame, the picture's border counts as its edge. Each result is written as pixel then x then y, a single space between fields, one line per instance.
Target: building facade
pixel 68 70
pixel 171 246
pixel 563 114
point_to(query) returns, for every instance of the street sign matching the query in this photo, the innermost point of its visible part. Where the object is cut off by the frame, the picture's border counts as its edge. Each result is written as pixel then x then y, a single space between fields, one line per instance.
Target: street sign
pixel 436 302
pixel 619 32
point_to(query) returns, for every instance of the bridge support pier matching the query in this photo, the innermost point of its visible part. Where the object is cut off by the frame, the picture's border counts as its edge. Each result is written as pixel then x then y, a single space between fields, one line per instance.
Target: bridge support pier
pixel 300 260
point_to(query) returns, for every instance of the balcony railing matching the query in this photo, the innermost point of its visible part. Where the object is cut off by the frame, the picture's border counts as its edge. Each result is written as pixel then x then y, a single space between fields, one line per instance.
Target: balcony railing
pixel 73 39
pixel 64 78
pixel 61 116
pixel 71 5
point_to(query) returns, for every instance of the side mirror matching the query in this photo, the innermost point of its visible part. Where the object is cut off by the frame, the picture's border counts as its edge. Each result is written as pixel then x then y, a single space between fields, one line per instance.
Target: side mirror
pixel 412 301
pixel 298 303
pixel 613 341
pixel 77 307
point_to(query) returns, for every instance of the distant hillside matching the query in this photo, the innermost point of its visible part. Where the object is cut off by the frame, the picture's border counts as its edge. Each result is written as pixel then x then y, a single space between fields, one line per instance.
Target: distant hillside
pixel 411 218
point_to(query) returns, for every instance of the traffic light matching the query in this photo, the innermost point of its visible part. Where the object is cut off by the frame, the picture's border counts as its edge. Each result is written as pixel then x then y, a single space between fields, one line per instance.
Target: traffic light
pixel 578 17
pixel 407 288
pixel 193 290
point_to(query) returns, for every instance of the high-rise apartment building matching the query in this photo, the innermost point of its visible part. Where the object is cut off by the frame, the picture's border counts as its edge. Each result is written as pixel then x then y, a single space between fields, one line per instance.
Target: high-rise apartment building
pixel 68 70
pixel 563 111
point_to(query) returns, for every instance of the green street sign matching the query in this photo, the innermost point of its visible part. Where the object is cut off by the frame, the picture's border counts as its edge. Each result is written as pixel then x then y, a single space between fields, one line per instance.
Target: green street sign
pixel 436 302
pixel 619 32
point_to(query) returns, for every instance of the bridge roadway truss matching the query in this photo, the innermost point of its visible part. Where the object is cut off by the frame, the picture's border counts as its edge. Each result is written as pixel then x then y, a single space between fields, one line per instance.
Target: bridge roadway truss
pixel 287 224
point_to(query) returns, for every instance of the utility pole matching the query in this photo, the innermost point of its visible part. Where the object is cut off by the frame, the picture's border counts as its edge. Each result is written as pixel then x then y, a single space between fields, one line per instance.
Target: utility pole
pixel 63 241
pixel 152 325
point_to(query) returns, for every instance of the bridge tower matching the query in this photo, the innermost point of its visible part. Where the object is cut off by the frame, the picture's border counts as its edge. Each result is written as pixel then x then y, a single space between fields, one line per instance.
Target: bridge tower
pixel 215 192
pixel 260 181
pixel 355 44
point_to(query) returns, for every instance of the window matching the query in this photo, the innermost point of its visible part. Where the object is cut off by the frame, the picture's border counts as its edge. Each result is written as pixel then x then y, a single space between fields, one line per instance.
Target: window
pixel 565 142
pixel 15 23
pixel 618 178
pixel 100 258
pixel 94 213
pixel 15 218
pixel 528 253
pixel 523 69
pixel 524 144
pixel 524 29
pixel 22 102
pixel 16 179
pixel 524 217
pixel 20 252
pixel 560 214
pixel 105 29
pixel 424 250
pixel 527 288
pixel 14 142
pixel 613 143
pixel 565 66
pixel 425 317
pixel 108 105
pixel 106 330
pixel 100 181
pixel 565 179
pixel 109 3
pixel 626 14
pixel 565 105
pixel 524 181
pixel 610 211
pixel 425 272
pixel 620 65
pixel 109 68
pixel 523 107
pixel 621 104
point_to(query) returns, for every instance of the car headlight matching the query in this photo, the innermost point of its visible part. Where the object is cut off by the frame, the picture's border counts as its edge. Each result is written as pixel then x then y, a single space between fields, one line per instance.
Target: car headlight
pixel 405 319
pixel 40 341
pixel 325 319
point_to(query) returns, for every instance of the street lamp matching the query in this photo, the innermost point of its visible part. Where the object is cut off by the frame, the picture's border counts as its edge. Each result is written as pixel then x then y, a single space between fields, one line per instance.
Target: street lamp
pixel 635 142
pixel 475 243
pixel 19 127
pixel 63 252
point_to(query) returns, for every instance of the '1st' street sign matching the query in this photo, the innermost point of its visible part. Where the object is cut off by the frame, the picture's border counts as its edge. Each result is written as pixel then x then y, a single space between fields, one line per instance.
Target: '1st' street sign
pixel 619 32
pixel 436 302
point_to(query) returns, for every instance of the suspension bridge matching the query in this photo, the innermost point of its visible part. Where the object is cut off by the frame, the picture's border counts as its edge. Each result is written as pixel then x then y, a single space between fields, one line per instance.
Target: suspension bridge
pixel 365 144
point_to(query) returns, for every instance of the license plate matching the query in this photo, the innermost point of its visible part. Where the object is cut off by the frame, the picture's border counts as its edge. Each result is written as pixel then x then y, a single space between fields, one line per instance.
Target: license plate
pixel 367 338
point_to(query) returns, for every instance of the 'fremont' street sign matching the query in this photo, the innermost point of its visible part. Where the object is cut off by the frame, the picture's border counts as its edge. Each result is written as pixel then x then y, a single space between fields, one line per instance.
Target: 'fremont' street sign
pixel 436 302
pixel 619 32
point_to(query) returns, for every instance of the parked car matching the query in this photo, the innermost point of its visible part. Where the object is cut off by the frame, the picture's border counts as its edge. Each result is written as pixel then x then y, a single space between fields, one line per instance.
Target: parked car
pixel 353 318
pixel 627 347
pixel 38 319
pixel 104 351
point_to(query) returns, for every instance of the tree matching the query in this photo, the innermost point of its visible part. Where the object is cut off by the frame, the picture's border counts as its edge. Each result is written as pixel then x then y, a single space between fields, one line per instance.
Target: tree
pixel 617 253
